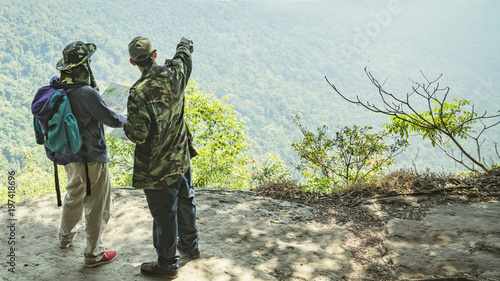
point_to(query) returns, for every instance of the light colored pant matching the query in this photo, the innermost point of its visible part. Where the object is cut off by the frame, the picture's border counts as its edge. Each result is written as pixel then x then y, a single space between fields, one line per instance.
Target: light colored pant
pixel 96 206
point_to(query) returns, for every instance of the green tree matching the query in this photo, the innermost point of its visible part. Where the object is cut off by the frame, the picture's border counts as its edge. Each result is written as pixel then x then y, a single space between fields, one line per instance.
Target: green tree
pixel 349 157
pixel 121 156
pixel 220 139
pixel 445 124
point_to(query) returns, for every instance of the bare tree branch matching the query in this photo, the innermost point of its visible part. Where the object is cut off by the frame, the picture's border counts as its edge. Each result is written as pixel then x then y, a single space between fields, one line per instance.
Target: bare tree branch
pixel 440 120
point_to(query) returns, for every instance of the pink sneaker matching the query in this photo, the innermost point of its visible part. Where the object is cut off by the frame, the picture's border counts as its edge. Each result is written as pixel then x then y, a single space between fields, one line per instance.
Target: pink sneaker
pixel 108 257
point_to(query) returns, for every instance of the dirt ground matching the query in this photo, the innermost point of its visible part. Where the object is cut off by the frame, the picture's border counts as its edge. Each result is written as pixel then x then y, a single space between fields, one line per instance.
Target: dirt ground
pixel 448 233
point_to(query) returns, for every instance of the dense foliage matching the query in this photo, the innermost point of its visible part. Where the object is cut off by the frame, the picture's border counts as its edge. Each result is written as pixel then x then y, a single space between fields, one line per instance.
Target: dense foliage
pixel 221 142
pixel 121 156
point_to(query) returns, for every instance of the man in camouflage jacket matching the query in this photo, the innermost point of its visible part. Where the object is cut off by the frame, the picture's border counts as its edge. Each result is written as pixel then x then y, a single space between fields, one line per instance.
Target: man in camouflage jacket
pixel 163 151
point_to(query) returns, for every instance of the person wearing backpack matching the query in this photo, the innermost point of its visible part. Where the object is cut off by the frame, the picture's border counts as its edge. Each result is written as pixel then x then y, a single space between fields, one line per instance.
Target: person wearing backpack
pixel 164 147
pixel 91 112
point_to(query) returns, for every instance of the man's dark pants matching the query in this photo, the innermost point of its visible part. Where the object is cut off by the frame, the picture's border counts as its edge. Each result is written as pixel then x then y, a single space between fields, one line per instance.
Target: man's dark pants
pixel 174 213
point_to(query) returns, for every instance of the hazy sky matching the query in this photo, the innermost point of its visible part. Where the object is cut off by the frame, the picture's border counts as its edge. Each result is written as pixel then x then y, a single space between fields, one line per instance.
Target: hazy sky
pixel 459 39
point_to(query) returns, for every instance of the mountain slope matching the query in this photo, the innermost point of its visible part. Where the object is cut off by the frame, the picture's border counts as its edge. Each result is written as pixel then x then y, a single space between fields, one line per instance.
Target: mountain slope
pixel 268 57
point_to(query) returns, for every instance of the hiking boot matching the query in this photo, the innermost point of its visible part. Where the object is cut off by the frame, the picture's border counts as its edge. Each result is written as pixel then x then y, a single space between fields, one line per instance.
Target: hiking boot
pixel 64 244
pixel 195 255
pixel 108 257
pixel 151 269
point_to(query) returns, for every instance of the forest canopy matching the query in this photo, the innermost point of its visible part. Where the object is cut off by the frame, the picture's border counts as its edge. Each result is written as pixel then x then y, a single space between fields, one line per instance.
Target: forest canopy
pixel 268 57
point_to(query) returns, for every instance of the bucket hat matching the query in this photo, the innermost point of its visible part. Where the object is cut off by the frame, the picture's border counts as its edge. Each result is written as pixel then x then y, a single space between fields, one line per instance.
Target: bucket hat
pixel 75 54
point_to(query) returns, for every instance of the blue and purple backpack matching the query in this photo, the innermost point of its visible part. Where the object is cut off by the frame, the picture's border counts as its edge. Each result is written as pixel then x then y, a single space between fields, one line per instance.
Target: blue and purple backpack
pixel 55 125
pixel 57 129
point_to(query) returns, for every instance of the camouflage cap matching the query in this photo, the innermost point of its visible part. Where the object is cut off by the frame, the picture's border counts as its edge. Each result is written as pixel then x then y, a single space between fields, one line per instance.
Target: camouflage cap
pixel 140 48
pixel 75 54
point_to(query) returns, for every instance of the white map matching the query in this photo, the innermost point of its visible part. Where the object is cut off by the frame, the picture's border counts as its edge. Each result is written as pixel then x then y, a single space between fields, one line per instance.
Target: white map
pixel 116 97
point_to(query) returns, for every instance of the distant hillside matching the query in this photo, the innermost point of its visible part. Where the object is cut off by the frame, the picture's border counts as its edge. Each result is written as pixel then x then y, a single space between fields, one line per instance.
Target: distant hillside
pixel 268 57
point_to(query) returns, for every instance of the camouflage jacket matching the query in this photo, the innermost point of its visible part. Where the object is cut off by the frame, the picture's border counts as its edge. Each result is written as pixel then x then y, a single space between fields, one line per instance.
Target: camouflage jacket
pixel 156 122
